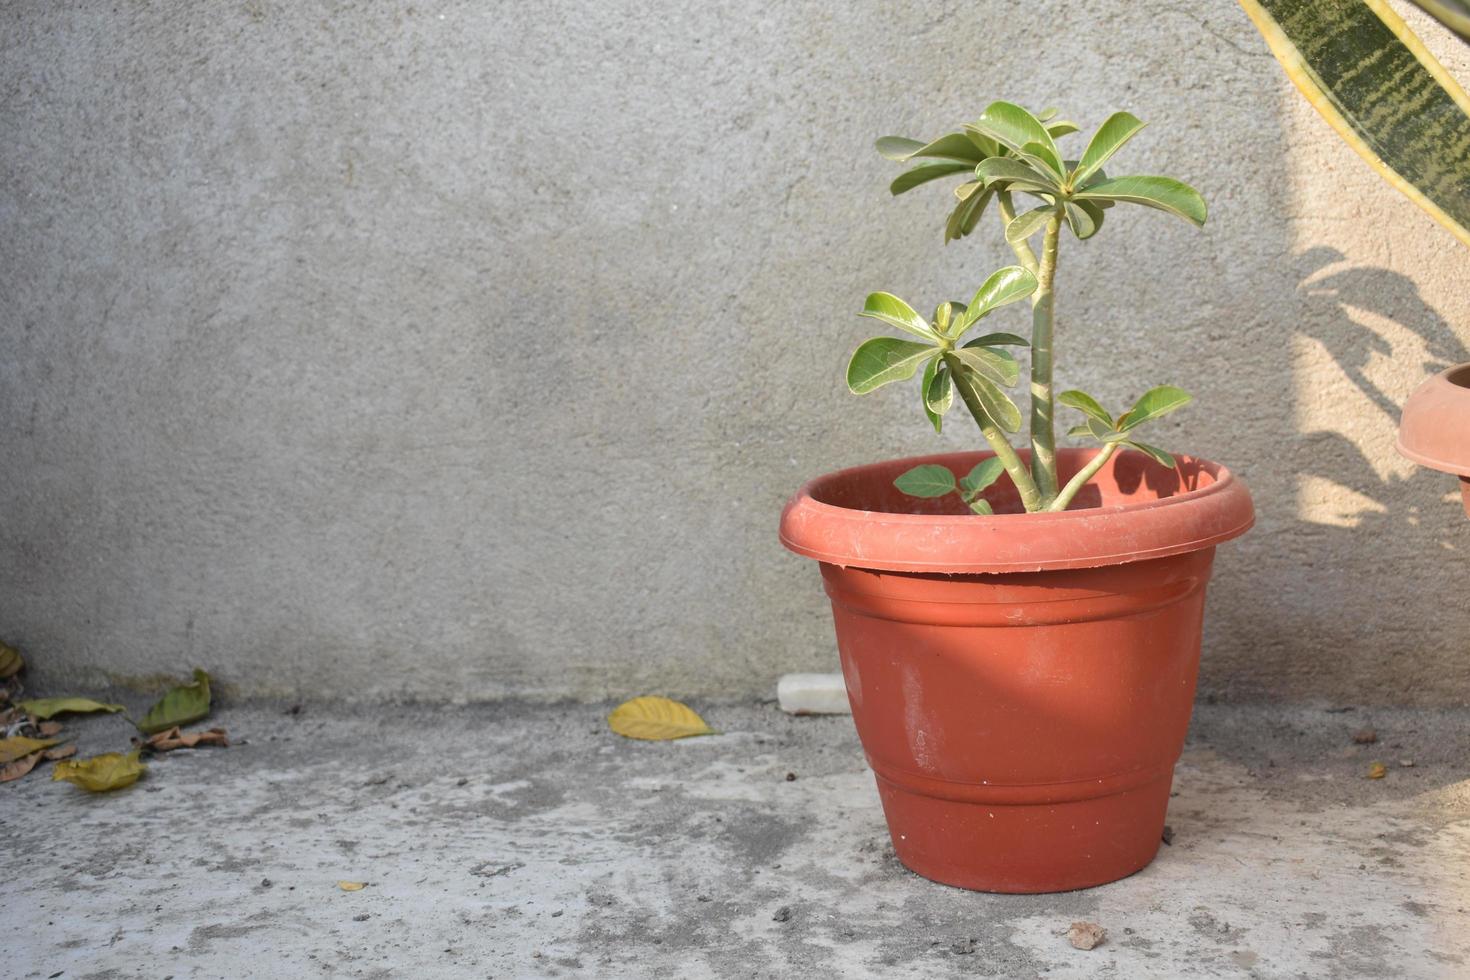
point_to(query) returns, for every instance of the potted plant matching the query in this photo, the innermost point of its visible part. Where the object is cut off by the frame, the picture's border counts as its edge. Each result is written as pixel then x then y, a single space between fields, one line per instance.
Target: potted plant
pixel 1019 629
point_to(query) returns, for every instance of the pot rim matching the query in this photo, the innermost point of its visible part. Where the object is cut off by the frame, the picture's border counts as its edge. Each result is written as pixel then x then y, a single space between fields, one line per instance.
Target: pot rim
pixel 1116 534
pixel 1433 422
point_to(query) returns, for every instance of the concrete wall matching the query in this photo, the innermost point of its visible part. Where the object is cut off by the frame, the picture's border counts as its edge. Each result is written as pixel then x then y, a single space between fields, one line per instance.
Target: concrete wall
pixel 464 350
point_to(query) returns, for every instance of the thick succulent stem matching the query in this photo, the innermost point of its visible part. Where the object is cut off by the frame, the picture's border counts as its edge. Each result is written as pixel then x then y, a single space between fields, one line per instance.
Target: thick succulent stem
pixel 1083 475
pixel 1043 436
pixel 1004 451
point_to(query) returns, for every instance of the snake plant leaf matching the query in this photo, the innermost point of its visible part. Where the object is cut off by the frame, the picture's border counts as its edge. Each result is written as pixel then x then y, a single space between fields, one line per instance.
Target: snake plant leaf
pixel 939 393
pixel 102 773
pixel 1361 67
pixel 44 708
pixel 1154 452
pixel 1080 220
pixel 655 719
pixel 1118 129
pixel 1163 193
pixel 1009 173
pixel 1087 405
pixel 996 404
pixel 1002 287
pixel 926 172
pixel 896 313
pixel 180 706
pixel 1014 127
pixel 982 475
pixel 1152 404
pixel 1454 14
pixel 898 148
pixel 999 340
pixel 1028 223
pixel 966 215
pixel 928 480
pixel 883 360
pixel 996 365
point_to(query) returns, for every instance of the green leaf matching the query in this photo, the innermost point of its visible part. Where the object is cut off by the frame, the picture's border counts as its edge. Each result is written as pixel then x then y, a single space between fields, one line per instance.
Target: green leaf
pixel 966 215
pixel 1385 94
pixel 939 392
pixel 1080 220
pixel 1154 403
pixel 930 369
pixel 982 475
pixel 896 313
pixel 1079 430
pixel 999 340
pixel 1014 127
pixel 980 506
pixel 993 402
pixel 1154 452
pixel 1044 157
pixel 1062 127
pixel 1002 173
pixel 1103 433
pixel 1028 223
pixel 963 191
pixel 1087 405
pixel 1163 193
pixel 952 146
pixel 883 360
pixel 183 705
pixel 929 480
pixel 924 173
pixel 1119 128
pixel 1004 286
pixel 997 365
pixel 1093 210
pixel 44 708
pixel 898 148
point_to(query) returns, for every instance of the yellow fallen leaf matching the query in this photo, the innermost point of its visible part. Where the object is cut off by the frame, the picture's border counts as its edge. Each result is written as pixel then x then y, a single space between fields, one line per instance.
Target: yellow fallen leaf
pixel 51 707
pixel 1377 770
pixel 101 773
pixel 352 886
pixel 16 746
pixel 656 719
pixel 10 662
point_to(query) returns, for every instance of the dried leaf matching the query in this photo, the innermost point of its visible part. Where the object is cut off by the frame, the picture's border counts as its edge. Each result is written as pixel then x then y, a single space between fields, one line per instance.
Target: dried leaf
pixel 1377 770
pixel 352 886
pixel 1086 935
pixel 61 752
pixel 101 773
pixel 1366 736
pixel 48 728
pixel 176 739
pixel 51 707
pixel 183 705
pixel 18 768
pixel 656 719
pixel 11 661
pixel 18 745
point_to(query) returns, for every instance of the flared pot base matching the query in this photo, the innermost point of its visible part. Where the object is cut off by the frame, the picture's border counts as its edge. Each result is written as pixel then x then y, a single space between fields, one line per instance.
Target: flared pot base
pixel 1030 848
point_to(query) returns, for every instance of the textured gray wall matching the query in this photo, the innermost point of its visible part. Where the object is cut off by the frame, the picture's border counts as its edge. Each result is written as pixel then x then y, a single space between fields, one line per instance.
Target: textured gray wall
pixel 469 350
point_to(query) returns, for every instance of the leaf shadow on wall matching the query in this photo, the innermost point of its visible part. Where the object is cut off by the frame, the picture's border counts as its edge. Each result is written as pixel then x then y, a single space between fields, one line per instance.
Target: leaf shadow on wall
pixel 1335 304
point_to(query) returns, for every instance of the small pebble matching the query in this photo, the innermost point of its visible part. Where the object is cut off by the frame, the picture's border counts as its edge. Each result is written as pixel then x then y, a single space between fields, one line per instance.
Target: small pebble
pixel 783 914
pixel 1086 935
pixel 1168 835
pixel 791 777
pixel 361 917
pixel 1407 763
pixel 962 947
pixel 1366 736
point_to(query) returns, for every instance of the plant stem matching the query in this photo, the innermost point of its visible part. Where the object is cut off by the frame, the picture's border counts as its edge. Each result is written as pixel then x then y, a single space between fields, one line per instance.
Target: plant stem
pixel 1007 213
pixel 1004 451
pixel 1043 438
pixel 1083 475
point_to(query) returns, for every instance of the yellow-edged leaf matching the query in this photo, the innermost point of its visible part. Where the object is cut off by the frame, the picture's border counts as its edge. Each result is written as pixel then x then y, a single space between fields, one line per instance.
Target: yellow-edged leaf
pixel 11 662
pixel 16 746
pixel 183 705
pixel 656 719
pixel 101 773
pixel 51 707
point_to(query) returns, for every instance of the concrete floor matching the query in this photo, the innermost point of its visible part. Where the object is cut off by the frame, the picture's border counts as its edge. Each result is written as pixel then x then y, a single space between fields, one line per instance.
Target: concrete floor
pixel 517 841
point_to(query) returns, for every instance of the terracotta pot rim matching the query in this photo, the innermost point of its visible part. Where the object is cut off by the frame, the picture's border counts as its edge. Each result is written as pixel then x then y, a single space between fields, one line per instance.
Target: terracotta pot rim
pixel 1111 534
pixel 1436 422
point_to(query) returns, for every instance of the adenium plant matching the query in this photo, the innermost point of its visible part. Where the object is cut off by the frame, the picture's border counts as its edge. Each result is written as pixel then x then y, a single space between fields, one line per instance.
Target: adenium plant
pixel 1007 154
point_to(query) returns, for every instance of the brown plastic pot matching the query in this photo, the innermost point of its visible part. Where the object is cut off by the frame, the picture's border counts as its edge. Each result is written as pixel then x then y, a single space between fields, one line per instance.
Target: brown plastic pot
pixel 1021 683
pixel 1435 428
